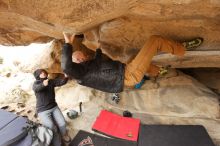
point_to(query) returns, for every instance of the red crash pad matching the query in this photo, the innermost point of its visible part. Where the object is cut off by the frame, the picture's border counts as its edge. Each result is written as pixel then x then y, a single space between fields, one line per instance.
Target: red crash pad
pixel 117 126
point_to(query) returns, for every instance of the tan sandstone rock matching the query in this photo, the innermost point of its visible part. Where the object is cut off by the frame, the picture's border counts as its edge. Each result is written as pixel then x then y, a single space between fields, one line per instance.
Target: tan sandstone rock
pixel 121 25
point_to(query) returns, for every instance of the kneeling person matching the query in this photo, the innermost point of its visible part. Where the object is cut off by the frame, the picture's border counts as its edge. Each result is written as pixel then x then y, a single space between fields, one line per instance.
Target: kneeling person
pixel 47 108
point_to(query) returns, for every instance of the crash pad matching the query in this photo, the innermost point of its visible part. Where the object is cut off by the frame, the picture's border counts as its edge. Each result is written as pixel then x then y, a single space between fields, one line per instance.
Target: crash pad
pixel 116 126
pixel 11 131
pixel 84 138
pixel 174 135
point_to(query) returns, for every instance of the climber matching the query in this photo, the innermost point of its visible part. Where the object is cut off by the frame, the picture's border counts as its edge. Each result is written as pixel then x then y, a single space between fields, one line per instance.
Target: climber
pixel 47 108
pixel 111 76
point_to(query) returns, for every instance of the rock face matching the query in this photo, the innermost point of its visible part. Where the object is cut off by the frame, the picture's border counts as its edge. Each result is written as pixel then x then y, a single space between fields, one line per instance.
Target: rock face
pixel 176 95
pixel 121 25
pixel 207 76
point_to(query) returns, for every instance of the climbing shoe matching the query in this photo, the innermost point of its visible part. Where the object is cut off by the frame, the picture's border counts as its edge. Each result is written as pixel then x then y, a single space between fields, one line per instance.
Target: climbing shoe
pixel 116 98
pixel 163 71
pixel 192 44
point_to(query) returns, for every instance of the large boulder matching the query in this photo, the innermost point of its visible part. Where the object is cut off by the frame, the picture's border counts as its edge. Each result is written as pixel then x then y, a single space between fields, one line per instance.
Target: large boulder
pixel 122 26
pixel 177 95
